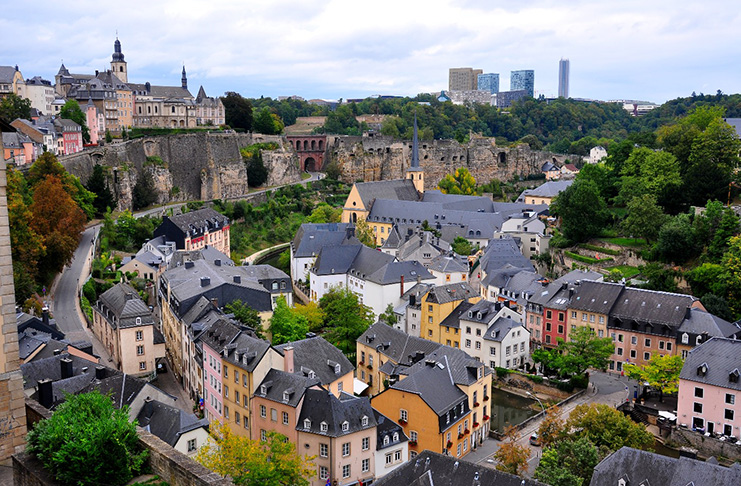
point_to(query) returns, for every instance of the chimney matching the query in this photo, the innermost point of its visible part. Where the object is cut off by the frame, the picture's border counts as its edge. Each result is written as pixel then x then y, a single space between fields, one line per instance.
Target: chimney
pixel 100 372
pixel 401 287
pixel 288 359
pixel 45 315
pixel 66 364
pixel 215 302
pixel 412 299
pixel 46 394
pixel 237 279
pixel 57 352
pixel 205 281
pixel 189 264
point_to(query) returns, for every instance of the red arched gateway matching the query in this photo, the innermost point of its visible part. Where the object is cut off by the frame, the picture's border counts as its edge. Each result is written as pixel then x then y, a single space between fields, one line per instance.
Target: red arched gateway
pixel 310 150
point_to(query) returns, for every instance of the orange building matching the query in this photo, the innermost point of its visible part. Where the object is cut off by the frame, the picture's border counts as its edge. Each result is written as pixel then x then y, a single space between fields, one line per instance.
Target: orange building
pixel 437 304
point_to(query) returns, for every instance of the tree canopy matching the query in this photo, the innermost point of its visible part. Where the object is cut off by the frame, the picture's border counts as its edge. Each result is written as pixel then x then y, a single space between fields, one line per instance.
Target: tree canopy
pixel 512 457
pixel 286 325
pixel 345 318
pixel 246 315
pixel 661 372
pixel 13 106
pixel 573 358
pixel 71 110
pixel 237 111
pixel 460 182
pixel 582 210
pixel 98 185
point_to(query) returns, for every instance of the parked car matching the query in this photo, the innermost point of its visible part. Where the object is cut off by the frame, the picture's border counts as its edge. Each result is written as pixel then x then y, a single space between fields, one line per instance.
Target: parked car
pixel 535 440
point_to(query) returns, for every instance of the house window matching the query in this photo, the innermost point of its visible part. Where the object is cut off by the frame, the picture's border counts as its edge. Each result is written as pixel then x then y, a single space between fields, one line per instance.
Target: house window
pixel 323 473
pixel 226 390
pixel 263 435
pixel 346 449
pixel 560 317
pixel 728 414
pixel 633 340
pixel 647 343
pixel 142 365
pixel 140 335
pixel 397 456
pixel 323 450
pixel 633 353
pixel 573 316
pixel 697 408
pixel 668 346
pixel 192 445
pixel 345 426
pixel 730 398
pixel 226 372
pixel 366 465
pixel 139 350
pixel 478 345
pixel 236 418
pixel 285 418
pixel 346 471
pixel 366 443
pixel 389 459
pixel 226 412
pixel 619 351
pixel 263 411
pixel 584 316
pixel 468 343
pixel 458 451
pixel 699 392
pixel 323 426
pixel 685 338
pixel 236 397
pixel 548 314
pixel 364 421
pixel 403 415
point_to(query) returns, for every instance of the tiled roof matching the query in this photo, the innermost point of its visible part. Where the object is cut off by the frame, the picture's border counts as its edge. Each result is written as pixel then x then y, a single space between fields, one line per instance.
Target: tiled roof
pixel 166 422
pixel 721 359
pixel 442 294
pixel 126 305
pixel 286 388
pixel 463 369
pixel 397 189
pixel 316 354
pixel 322 407
pixel 449 264
pixel 388 428
pixel 397 345
pixel 699 321
pixel 245 351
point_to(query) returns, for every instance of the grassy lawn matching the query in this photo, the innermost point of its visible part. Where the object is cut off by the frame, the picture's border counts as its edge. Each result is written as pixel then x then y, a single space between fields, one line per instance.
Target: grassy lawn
pixel 585 259
pixel 626 270
pixel 636 242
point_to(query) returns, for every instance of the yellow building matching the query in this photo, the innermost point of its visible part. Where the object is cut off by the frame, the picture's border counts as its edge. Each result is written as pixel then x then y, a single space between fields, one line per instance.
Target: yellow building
pixel 437 304
pixel 590 305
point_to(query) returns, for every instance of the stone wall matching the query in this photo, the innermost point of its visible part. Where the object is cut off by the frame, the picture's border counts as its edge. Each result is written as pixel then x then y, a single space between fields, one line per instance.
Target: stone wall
pixel 201 166
pixel 374 158
pixel 706 446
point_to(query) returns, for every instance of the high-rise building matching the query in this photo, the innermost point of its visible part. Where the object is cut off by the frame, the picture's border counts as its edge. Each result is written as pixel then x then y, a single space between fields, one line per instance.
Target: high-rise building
pixel 523 80
pixel 463 79
pixel 563 78
pixel 488 82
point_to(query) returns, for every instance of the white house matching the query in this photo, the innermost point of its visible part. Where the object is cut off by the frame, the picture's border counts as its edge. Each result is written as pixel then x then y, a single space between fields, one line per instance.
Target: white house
pixel 494 334
pixel 392 445
pixel 310 239
pixel 597 154
pixel 449 268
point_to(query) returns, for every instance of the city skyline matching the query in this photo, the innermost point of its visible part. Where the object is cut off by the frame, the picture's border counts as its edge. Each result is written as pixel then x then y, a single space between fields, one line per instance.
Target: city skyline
pixel 625 50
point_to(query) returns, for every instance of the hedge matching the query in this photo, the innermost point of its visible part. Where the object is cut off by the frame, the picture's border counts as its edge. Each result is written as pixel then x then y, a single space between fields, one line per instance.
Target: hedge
pixel 607 251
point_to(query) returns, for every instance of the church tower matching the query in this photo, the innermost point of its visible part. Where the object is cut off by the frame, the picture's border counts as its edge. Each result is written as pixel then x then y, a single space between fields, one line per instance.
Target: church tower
pixel 415 172
pixel 118 65
pixel 184 79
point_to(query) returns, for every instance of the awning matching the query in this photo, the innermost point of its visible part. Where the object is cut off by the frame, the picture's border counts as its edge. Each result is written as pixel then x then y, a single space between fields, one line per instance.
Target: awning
pixel 358 386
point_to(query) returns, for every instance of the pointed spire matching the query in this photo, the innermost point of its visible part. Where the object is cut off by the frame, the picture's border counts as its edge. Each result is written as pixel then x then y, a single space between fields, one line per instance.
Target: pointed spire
pixel 415 145
pixel 117 54
pixel 184 79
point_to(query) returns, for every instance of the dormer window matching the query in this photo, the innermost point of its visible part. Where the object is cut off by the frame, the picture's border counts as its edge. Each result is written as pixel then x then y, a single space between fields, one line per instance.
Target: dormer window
pixel 702 370
pixel 396 436
pixel 698 340
pixel 470 314
pixel 385 440
pixel 323 427
pixel 733 376
pixel 364 421
pixel 307 423
pixel 337 369
pixel 478 316
pixel 685 338
pixel 286 396
pixel 345 426
pixel 263 390
pixel 312 374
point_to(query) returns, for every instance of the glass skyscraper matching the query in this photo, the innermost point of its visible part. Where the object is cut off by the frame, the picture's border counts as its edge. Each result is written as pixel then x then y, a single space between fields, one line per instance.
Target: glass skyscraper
pixel 488 82
pixel 563 78
pixel 523 80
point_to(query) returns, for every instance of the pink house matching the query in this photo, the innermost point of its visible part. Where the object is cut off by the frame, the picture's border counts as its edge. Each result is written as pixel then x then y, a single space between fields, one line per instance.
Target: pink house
pixel 215 341
pixel 69 135
pixel 710 388
pixel 92 121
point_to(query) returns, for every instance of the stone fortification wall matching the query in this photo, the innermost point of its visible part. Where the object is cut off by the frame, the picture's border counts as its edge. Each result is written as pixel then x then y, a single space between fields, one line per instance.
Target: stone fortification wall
pixel 196 165
pixel 377 158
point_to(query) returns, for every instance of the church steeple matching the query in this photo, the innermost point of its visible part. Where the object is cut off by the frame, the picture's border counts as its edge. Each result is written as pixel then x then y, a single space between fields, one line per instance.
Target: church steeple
pixel 415 172
pixel 184 79
pixel 118 64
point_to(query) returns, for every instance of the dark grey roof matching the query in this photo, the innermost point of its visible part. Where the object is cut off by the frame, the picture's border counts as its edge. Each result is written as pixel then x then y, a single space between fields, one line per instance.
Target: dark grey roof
pixel 388 428
pixel 286 388
pixel 648 468
pixel 699 321
pixel 652 306
pixel 126 305
pixel 442 294
pixel 316 354
pixel 396 345
pixel 598 297
pixel 207 253
pixel 500 328
pixel 205 218
pixel 168 92
pixel 7 73
pixel 502 251
pixel 394 272
pixel 433 382
pixel 500 276
pixel 721 358
pixel 220 334
pixel 339 258
pixel 547 189
pixel 454 318
pixel 245 351
pixel 483 311
pixel 29 342
pixel 462 368
pixel 50 368
pixel 166 422
pixel 579 275
pixel 311 238
pixel 548 166
pixel 433 469
pixel 28 322
pixel 449 264
pixel 321 406
pixel 397 189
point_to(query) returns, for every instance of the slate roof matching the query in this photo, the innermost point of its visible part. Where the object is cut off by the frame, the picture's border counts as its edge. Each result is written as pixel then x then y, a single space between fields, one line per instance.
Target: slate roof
pixel 311 238
pixel 208 253
pixel 393 272
pixel 449 264
pixel 500 328
pixel 50 368
pixel 453 320
pixel 169 92
pixel 433 469
pixel 442 294
pixel 322 406
pixel 278 382
pixel 642 467
pixel 28 322
pixel 501 251
pixel 396 345
pixel 7 73
pixel 397 189
pixel 126 305
pixel 652 306
pixel 698 321
pixel 201 219
pixel 598 297
pixel 522 285
pixel 245 351
pixel 339 258
pixel 462 368
pixel 318 355
pixel 486 309
pixel 579 275
pixel 547 189
pixel 387 428
pixel 721 356
pixel 30 341
pixel 166 422
pixel 220 334
pixel 500 276
pixel 434 384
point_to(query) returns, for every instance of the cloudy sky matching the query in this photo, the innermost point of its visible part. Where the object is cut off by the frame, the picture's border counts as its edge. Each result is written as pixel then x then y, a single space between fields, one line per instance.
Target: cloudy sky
pixel 637 49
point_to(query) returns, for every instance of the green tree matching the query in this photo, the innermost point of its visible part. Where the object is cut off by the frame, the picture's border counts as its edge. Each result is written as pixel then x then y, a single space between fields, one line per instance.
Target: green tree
pixel 661 373
pixel 312 313
pixel 718 306
pixel 512 457
pixel 389 316
pixel 650 172
pixel 98 185
pixel 345 318
pixel 108 136
pixel 71 110
pixel 574 357
pixel 645 218
pixel 144 193
pixel 272 462
pixel 285 325
pixel 88 442
pixel 13 106
pixel 246 315
pixel 582 210
pixel 342 121
pixel 659 277
pixel 568 463
pixel 732 274
pixel 26 245
pixel 324 213
pixel 676 240
pixel 237 111
pixel 706 279
pixel 727 227
pixel 607 428
pixel 713 159
pixel 552 428
pixel 462 246
pixel 266 123
pixel 364 233
pixel 460 182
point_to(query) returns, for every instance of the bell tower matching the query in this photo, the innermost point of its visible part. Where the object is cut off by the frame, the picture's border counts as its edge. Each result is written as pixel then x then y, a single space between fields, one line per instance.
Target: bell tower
pixel 118 65
pixel 415 172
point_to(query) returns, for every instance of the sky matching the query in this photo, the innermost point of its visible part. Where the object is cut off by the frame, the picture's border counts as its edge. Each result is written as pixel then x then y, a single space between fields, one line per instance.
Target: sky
pixel 652 50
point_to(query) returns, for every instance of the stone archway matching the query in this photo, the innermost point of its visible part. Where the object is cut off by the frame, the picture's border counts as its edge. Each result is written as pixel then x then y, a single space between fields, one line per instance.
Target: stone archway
pixel 310 164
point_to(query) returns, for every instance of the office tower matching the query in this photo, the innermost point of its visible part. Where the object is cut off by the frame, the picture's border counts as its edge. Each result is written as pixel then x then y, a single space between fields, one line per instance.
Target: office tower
pixel 488 82
pixel 563 78
pixel 463 79
pixel 523 80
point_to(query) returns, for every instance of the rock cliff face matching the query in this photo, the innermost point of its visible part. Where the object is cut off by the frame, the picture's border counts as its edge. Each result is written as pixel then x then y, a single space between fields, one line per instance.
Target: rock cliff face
pixel 379 158
pixel 196 165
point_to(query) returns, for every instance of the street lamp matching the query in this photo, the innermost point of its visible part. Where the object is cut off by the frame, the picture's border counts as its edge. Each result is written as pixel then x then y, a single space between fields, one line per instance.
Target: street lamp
pixel 535 397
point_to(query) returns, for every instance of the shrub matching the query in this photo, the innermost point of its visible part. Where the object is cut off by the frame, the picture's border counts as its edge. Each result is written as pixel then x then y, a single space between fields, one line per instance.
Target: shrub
pixel 535 378
pixel 579 381
pixel 585 259
pixel 502 372
pixel 607 251
pixel 88 442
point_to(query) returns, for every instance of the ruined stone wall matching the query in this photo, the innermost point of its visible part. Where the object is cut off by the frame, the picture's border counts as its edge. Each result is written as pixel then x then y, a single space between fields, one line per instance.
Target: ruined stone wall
pixel 201 166
pixel 379 158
